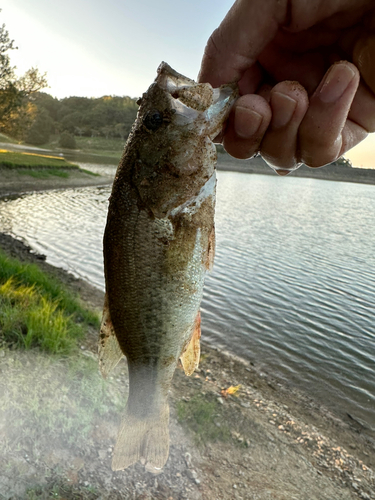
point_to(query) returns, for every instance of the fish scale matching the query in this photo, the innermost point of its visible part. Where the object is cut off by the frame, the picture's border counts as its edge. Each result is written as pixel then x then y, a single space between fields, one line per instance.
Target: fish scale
pixel 158 245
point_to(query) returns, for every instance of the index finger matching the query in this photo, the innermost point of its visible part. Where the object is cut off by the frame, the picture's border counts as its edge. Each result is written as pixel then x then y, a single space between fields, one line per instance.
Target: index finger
pixel 234 47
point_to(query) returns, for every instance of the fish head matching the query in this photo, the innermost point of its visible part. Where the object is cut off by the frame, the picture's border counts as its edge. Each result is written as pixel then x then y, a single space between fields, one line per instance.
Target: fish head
pixel 176 123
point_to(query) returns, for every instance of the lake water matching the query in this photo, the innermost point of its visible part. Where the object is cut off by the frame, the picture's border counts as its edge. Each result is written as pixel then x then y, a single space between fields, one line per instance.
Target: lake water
pixel 293 282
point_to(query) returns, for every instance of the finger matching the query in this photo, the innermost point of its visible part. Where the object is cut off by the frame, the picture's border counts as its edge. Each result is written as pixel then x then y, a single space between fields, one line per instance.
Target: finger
pixel 351 135
pixel 250 80
pixel 322 134
pixel 364 59
pixel 235 45
pixel 289 104
pixel 246 126
pixel 362 110
pixel 265 92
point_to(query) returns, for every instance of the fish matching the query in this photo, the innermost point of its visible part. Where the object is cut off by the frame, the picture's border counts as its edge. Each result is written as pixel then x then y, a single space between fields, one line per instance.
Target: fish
pixel 158 244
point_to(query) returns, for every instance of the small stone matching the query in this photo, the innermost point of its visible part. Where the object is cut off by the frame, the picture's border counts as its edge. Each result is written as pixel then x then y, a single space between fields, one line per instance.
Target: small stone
pixel 272 422
pixel 188 459
pixel 85 483
pixel 235 486
pixel 220 400
pixel 191 474
pixel 245 405
pixel 364 496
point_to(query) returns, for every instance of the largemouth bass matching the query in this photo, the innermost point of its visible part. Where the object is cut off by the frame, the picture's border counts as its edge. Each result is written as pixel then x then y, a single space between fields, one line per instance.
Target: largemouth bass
pixel 158 244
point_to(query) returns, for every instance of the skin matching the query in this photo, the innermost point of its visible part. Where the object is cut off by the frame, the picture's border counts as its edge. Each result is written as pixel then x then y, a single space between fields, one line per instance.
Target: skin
pixel 306 74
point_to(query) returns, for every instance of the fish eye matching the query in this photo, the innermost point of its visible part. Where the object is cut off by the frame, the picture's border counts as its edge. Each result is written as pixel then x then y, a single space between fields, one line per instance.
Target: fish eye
pixel 153 120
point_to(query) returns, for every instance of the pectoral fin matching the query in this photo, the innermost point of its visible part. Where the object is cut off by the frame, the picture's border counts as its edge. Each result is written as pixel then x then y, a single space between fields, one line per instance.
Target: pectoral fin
pixel 109 349
pixel 190 357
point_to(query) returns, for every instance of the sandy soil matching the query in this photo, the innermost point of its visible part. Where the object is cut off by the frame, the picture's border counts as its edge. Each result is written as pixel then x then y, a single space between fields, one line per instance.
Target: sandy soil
pixel 281 444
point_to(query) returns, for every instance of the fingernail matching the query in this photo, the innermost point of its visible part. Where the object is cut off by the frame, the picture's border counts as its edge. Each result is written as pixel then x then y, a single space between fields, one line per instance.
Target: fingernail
pixel 336 82
pixel 283 108
pixel 246 122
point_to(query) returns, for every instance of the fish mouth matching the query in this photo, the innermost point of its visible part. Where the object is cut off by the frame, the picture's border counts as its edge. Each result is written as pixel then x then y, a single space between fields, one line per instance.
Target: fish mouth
pixel 196 105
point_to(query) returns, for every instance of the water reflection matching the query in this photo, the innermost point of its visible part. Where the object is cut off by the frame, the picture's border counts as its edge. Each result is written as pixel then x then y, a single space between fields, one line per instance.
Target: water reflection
pixel 292 283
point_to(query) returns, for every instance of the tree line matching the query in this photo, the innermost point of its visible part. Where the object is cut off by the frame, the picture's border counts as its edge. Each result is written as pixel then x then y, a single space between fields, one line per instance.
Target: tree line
pixel 108 116
pixel 30 115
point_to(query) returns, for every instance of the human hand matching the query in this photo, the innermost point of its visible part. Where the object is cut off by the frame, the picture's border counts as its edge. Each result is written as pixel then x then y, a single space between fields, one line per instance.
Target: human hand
pixel 301 97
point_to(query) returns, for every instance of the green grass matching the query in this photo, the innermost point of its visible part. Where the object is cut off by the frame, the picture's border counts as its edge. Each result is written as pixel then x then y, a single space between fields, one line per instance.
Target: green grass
pixel 37 311
pixel 12 160
pixel 202 414
pixel 44 173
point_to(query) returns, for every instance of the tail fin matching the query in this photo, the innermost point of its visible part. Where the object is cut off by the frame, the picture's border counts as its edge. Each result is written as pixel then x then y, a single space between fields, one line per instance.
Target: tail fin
pixel 145 439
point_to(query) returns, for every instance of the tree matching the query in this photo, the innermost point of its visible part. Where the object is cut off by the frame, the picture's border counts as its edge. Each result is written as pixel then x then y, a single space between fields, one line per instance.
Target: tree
pixel 15 93
pixel 67 141
pixel 6 71
pixel 39 131
pixel 9 96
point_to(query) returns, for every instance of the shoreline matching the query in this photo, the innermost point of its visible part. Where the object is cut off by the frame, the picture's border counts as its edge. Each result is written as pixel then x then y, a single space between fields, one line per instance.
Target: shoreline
pixel 13 183
pixel 285 438
pixel 333 172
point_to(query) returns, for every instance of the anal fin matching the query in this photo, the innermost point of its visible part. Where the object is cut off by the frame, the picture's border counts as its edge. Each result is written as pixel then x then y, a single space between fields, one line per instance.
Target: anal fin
pixel 109 350
pixel 190 357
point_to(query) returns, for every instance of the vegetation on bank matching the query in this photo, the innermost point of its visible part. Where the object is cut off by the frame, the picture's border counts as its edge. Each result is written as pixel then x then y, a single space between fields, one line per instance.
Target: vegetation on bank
pixel 10 159
pixel 38 166
pixel 37 311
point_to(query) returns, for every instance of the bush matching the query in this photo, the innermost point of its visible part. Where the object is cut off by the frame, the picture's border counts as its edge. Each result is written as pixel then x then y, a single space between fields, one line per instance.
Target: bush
pixel 40 129
pixel 67 141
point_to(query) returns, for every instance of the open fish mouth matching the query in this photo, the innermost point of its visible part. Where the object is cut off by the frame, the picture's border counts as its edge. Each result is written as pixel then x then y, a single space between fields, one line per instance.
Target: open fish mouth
pixel 196 104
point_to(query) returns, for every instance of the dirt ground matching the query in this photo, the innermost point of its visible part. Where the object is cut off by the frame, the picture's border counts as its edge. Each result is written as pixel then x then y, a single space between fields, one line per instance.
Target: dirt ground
pixel 266 441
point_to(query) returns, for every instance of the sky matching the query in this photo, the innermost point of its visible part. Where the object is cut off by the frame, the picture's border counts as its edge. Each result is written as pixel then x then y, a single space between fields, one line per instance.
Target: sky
pixel 112 47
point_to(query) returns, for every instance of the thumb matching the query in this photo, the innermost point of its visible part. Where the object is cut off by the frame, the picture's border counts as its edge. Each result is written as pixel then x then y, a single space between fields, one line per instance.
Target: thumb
pixel 236 44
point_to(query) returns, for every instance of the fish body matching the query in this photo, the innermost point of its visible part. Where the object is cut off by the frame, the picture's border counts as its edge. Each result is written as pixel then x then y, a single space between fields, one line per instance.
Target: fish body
pixel 158 244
